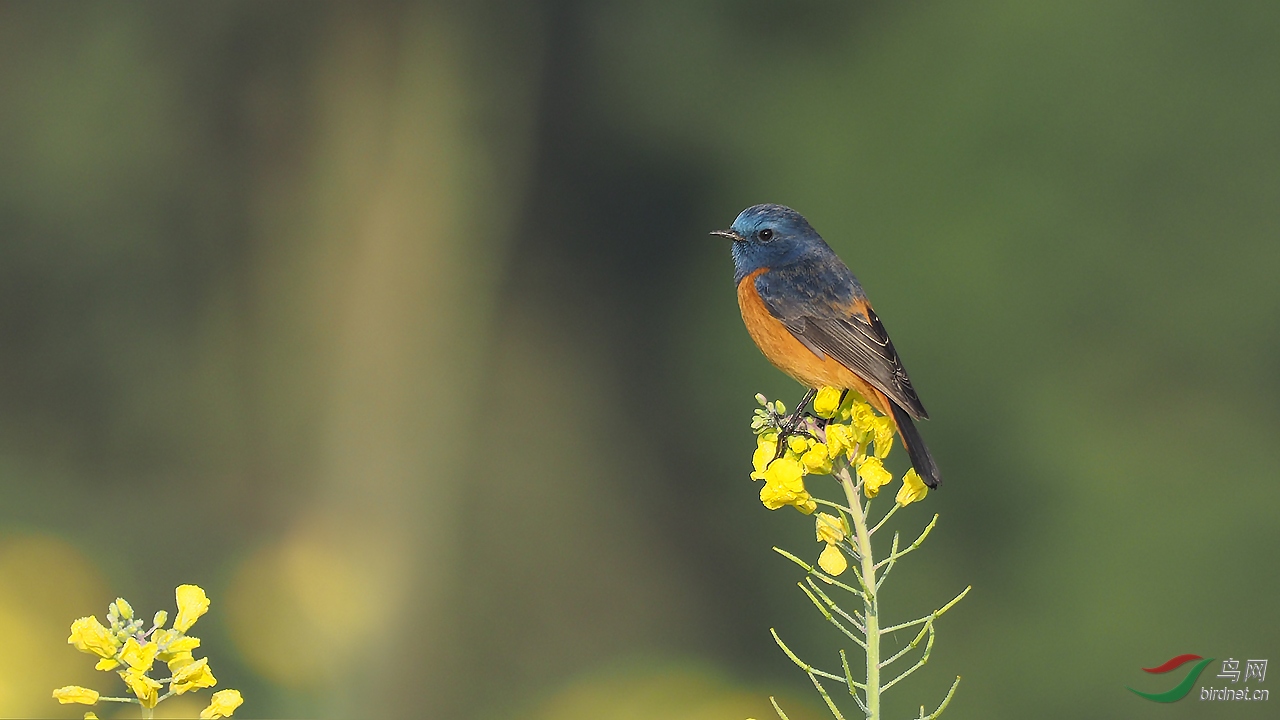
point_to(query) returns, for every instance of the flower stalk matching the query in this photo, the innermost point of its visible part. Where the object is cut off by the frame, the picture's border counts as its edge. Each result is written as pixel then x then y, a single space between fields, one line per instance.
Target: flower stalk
pixel 870 604
pixel 848 441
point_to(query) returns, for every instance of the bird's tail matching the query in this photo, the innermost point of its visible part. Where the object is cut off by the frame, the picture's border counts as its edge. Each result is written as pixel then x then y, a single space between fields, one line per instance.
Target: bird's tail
pixel 921 460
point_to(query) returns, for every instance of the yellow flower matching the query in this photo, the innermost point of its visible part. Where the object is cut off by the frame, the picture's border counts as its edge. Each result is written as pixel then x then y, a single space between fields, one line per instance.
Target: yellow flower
pixel 860 417
pixel 839 439
pixel 172 641
pixel 179 661
pixel 107 664
pixel 797 444
pixel 142 686
pixel 913 489
pixel 833 561
pixel 90 716
pixel 784 485
pixel 193 675
pixel 139 657
pixel 766 448
pixel 75 694
pixel 192 603
pixel 874 476
pixel 785 472
pixel 186 643
pixel 775 496
pixel 827 402
pixel 830 528
pixel 222 704
pixel 816 460
pixel 89 636
pixel 160 618
pixel 883 429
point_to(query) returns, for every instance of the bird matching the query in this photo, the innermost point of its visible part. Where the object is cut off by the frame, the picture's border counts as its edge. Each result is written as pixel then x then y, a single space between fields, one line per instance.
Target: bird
pixel 810 317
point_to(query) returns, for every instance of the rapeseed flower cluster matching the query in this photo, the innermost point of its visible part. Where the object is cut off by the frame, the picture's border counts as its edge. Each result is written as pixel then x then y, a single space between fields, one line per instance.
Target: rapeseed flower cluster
pixel 125 647
pixel 850 429
pixel 846 438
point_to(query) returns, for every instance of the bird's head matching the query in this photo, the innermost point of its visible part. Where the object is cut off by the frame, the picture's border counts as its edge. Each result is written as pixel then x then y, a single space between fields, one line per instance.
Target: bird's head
pixel 769 236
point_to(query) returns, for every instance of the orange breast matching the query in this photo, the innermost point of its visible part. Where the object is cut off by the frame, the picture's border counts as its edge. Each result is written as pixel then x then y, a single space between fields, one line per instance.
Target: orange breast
pixel 790 355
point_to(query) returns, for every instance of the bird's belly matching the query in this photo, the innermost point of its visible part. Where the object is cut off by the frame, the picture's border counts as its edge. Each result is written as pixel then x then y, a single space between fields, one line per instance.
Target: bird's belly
pixel 790 355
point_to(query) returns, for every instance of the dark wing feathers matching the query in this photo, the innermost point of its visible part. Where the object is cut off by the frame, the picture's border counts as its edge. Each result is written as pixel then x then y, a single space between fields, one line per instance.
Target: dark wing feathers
pixel 863 346
pixel 820 304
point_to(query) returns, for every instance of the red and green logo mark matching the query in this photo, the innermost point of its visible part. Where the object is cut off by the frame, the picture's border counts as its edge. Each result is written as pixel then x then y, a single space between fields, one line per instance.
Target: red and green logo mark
pixel 1180 690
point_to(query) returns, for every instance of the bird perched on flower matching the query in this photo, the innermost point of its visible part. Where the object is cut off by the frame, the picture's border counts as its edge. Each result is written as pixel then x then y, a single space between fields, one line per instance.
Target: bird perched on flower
pixel 810 317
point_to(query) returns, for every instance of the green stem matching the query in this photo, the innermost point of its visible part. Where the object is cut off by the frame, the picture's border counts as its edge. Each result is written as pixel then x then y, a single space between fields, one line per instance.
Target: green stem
pixel 871 603
pixel 886 517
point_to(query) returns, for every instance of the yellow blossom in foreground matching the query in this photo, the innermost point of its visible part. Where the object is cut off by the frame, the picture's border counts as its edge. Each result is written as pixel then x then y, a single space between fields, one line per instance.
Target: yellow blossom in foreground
pixel 883 429
pixel 139 657
pixel 90 636
pixel 816 460
pixel 786 472
pixel 172 642
pixel 766 448
pixel 193 675
pixel 75 694
pixel 90 716
pixel 832 561
pixel 861 419
pixel 784 482
pixel 222 704
pixel 873 476
pixel 830 529
pixel 179 661
pixel 141 686
pixel 797 444
pixel 784 485
pixel 192 603
pixel 827 402
pixel 125 648
pixel 839 440
pixel 913 488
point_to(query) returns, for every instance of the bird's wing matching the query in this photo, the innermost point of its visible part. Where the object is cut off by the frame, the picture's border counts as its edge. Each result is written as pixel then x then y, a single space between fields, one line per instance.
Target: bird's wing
pixel 825 309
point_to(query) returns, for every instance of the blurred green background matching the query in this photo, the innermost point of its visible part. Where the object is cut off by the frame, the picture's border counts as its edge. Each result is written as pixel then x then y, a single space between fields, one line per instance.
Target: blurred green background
pixel 397 328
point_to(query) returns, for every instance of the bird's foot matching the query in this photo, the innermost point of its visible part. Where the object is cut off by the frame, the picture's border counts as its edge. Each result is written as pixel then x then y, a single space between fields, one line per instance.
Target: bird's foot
pixel 792 423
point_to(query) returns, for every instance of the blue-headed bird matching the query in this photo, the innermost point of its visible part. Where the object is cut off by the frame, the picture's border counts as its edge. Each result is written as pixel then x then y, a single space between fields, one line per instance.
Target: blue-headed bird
pixel 810 317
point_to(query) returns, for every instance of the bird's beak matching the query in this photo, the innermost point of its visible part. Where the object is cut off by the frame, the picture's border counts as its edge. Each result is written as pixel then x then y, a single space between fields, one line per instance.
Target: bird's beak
pixel 729 234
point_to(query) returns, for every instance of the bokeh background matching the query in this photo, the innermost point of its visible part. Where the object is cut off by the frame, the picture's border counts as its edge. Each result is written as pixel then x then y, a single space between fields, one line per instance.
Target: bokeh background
pixel 396 327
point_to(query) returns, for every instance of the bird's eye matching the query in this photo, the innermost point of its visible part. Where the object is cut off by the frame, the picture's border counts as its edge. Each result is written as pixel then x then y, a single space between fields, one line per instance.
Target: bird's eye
pixel 766 235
